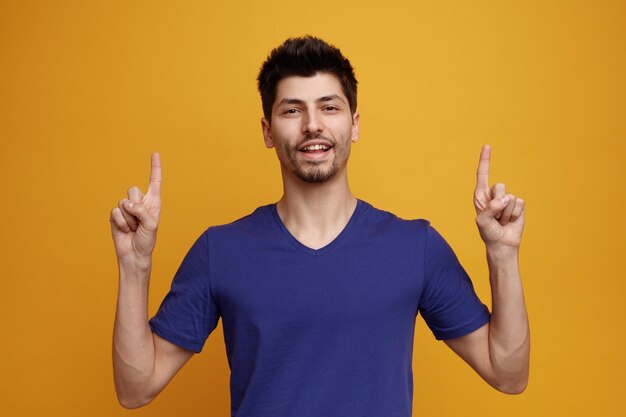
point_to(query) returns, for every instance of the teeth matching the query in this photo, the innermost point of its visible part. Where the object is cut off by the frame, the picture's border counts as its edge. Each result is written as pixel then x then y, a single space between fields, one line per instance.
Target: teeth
pixel 316 148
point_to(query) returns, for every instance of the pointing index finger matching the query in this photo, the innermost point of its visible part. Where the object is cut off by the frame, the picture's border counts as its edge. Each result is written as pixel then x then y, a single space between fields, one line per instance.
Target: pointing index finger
pixel 154 187
pixel 482 175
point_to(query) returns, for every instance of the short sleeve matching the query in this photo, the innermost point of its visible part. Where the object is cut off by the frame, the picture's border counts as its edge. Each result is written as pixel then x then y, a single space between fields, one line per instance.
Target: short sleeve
pixel 188 313
pixel 448 303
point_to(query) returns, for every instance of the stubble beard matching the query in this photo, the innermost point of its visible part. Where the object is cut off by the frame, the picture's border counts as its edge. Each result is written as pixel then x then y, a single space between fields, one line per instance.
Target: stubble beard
pixel 310 171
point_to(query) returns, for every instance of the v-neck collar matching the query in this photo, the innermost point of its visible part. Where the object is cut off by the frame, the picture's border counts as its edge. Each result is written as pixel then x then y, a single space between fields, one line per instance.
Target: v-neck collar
pixel 308 250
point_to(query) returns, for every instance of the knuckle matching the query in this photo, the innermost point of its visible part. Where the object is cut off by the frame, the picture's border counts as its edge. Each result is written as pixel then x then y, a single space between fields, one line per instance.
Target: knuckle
pixel 120 222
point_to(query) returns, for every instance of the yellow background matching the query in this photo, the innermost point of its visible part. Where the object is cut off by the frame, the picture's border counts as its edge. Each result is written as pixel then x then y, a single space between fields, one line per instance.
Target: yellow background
pixel 89 89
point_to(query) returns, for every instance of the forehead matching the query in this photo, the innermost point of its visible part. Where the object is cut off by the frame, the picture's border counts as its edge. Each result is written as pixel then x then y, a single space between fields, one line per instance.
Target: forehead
pixel 309 88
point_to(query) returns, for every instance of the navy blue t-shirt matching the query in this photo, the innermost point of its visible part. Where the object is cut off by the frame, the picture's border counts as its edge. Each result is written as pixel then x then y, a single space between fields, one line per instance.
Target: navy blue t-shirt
pixel 325 332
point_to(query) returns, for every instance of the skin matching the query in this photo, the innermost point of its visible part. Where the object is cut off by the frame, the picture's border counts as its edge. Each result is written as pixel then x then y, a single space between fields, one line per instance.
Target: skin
pixel 500 350
pixel 143 362
pixel 316 205
pixel 305 109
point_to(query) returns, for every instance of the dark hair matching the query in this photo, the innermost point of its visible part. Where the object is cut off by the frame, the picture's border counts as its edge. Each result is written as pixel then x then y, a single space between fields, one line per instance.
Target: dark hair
pixel 304 56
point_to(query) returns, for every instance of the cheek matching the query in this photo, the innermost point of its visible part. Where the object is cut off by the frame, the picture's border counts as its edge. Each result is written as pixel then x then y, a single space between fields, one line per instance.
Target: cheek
pixel 285 127
pixel 286 152
pixel 343 127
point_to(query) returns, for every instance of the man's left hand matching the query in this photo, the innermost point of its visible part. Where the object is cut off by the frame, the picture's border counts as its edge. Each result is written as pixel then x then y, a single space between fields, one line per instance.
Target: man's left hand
pixel 499 215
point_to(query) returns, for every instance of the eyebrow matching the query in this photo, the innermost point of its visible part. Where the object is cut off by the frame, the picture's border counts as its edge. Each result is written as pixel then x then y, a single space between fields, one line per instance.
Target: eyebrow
pixel 322 99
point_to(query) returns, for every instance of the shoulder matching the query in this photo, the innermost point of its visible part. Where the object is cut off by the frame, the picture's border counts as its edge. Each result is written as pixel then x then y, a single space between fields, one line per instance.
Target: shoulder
pixel 256 224
pixel 382 220
pixel 385 221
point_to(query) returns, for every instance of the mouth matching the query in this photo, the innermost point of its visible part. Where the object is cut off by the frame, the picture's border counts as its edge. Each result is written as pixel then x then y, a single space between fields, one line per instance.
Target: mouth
pixel 315 147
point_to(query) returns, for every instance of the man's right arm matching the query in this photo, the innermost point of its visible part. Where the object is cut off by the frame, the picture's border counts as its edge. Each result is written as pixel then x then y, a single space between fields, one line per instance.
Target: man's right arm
pixel 143 362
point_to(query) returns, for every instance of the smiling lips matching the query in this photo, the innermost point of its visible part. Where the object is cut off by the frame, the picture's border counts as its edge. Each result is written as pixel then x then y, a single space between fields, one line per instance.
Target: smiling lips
pixel 315 147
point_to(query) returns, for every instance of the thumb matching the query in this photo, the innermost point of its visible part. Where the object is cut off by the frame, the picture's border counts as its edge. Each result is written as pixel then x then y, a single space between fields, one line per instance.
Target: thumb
pixel 492 211
pixel 137 209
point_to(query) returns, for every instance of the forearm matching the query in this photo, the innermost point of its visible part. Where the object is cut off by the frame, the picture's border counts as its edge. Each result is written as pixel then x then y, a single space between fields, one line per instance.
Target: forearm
pixel 133 345
pixel 509 336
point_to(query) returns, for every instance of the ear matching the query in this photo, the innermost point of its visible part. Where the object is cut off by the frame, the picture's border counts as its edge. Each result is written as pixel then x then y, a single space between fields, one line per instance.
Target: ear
pixel 355 127
pixel 267 133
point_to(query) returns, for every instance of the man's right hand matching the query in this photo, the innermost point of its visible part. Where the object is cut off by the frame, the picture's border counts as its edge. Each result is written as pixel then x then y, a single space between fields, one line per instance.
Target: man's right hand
pixel 135 220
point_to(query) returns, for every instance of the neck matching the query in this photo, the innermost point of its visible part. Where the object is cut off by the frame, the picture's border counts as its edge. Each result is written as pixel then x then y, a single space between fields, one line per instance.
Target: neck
pixel 315 214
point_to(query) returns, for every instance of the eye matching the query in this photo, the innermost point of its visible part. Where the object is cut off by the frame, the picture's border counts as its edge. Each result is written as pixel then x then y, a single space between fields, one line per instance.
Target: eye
pixel 331 108
pixel 290 111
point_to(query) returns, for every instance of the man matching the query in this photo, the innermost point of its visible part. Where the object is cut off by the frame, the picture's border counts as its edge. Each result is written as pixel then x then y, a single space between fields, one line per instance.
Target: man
pixel 318 293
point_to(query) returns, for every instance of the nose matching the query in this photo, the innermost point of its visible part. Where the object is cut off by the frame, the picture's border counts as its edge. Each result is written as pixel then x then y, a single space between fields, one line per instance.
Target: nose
pixel 312 124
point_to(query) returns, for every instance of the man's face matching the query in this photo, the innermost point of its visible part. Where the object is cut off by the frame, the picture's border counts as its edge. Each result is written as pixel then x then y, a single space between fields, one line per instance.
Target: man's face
pixel 311 127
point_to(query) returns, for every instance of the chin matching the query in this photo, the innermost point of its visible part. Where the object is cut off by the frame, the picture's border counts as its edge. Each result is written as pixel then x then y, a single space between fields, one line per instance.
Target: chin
pixel 315 177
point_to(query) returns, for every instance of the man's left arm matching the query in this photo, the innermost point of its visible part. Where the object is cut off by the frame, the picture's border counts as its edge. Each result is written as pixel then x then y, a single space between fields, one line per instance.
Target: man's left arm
pixel 499 351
